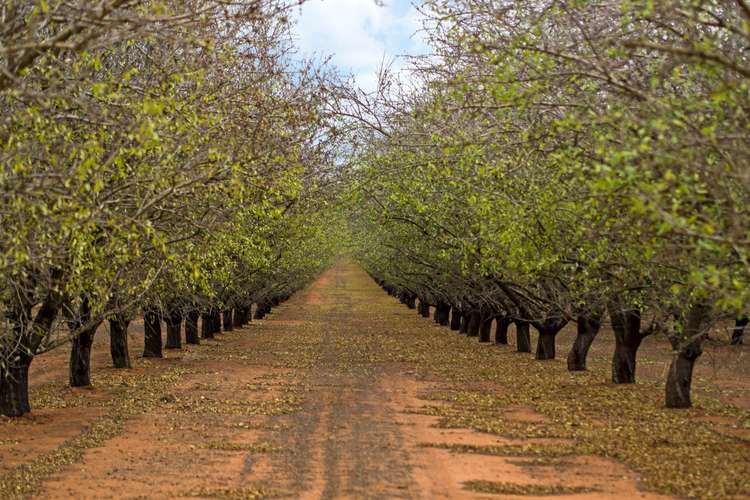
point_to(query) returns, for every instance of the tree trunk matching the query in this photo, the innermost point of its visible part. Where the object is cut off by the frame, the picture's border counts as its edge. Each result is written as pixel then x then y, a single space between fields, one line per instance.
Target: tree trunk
pixel 475 319
pixel 485 328
pixel 443 313
pixel 523 339
pixel 739 330
pixel 548 330
pixel 464 323
pixel 411 302
pixel 207 329
pixel 501 333
pixel 191 328
pixel 118 342
pixel 455 319
pixel 174 335
pixel 239 317
pixel 680 375
pixel 14 387
pixel 216 321
pixel 588 327
pixel 228 320
pixel 545 345
pixel 152 335
pixel 626 323
pixel 424 309
pixel 80 357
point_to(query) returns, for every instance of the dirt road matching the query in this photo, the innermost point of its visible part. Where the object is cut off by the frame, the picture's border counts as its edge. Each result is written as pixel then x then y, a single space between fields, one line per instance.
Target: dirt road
pixel 340 393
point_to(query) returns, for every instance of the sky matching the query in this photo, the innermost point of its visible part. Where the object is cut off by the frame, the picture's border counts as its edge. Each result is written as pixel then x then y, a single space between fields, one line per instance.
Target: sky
pixel 359 34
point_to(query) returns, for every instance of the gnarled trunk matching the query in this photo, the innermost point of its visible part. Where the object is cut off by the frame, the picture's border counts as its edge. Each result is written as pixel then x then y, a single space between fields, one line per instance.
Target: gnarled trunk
pixel 680 375
pixel 443 312
pixel 523 338
pixel 501 331
pixel 118 342
pixel 14 387
pixel 174 325
pixel 455 319
pixel 191 328
pixel 227 320
pixel 80 357
pixel 588 327
pixel 152 335
pixel 475 319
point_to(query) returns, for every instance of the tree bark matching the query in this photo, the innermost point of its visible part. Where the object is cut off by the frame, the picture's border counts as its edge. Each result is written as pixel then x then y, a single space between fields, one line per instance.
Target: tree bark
pixel 239 317
pixel 455 319
pixel 424 309
pixel 80 357
pixel 548 330
pixel 152 335
pixel 216 321
pixel 411 301
pixel 464 323
pixel 485 328
pixel 680 377
pixel 475 319
pixel 14 387
pixel 228 320
pixel 207 329
pixel 501 332
pixel 588 327
pixel 118 342
pixel 523 339
pixel 191 328
pixel 443 311
pixel 739 330
pixel 626 323
pixel 174 335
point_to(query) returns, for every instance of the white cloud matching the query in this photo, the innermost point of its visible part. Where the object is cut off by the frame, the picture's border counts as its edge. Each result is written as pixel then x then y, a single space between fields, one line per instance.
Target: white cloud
pixel 359 35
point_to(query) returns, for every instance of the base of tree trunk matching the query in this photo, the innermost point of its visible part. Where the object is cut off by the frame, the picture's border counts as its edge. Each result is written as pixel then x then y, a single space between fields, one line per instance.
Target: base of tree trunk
pixel 191 328
pixel 207 329
pixel 228 320
pixel 475 319
pixel 739 330
pixel 501 331
pixel 523 338
pixel 455 320
pixel 118 342
pixel 14 389
pixel 485 330
pixel 623 364
pixel 80 358
pixel 545 346
pixel 587 330
pixel 152 335
pixel 679 380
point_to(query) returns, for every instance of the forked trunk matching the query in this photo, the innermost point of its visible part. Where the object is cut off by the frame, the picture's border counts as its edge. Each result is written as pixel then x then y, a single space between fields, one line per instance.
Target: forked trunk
pixel 174 334
pixel 14 387
pixel 548 330
pixel 501 332
pixel 118 342
pixel 191 328
pixel 455 319
pixel 80 357
pixel 152 335
pixel 523 338
pixel 588 327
